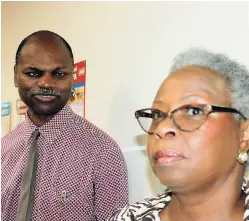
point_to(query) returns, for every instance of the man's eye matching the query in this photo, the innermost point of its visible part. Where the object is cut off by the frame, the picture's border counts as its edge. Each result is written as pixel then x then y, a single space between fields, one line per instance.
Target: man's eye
pixel 60 74
pixel 192 111
pixel 31 74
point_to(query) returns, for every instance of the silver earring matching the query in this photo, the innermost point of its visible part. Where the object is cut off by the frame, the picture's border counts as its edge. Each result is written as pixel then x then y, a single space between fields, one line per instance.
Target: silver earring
pixel 73 93
pixel 242 157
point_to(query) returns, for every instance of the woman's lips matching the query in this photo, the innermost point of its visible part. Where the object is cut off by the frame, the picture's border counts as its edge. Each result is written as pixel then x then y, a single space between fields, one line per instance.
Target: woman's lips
pixel 167 157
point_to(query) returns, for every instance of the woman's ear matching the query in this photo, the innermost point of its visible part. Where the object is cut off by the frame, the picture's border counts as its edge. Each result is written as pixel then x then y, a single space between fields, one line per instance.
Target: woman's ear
pixel 244 136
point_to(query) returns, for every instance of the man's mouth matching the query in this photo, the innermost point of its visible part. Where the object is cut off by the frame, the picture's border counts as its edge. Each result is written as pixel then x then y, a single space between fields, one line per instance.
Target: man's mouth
pixel 45 98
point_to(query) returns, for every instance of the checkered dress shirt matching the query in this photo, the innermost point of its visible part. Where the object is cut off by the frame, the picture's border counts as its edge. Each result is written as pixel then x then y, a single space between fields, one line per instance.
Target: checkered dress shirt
pixel 81 172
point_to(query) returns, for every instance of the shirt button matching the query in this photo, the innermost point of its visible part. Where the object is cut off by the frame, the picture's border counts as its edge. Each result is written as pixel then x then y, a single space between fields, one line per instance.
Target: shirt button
pixel 63 195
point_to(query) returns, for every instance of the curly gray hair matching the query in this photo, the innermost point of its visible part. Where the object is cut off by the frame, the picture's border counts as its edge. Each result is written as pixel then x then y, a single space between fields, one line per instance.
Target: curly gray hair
pixel 236 74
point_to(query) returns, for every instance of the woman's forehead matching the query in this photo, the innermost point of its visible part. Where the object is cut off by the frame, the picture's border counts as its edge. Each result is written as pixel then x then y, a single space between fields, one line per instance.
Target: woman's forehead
pixel 194 81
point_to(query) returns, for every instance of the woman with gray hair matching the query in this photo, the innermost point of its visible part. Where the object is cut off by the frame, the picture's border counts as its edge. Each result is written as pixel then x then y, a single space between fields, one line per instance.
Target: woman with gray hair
pixel 198 139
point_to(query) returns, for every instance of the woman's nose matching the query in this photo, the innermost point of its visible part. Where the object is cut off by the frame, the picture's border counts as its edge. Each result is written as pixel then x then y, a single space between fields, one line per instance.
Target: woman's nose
pixel 165 130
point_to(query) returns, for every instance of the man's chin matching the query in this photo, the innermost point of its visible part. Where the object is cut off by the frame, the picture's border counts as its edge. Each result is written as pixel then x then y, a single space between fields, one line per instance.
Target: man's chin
pixel 46 111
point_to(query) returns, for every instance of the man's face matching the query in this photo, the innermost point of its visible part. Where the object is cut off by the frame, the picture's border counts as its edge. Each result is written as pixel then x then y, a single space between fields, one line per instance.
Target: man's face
pixel 44 76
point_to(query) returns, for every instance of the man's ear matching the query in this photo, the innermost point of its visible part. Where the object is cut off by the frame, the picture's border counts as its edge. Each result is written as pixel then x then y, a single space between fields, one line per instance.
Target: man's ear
pixel 72 95
pixel 15 76
pixel 244 136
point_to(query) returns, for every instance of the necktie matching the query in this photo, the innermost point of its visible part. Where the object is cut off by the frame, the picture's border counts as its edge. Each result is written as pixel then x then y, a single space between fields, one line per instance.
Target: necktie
pixel 26 200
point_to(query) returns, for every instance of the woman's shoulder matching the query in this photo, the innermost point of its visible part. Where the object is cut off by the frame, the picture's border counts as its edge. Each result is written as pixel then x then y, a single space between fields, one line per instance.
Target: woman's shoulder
pixel 148 208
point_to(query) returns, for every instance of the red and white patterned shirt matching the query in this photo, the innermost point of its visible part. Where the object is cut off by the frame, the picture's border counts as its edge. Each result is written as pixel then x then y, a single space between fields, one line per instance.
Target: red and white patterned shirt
pixel 81 172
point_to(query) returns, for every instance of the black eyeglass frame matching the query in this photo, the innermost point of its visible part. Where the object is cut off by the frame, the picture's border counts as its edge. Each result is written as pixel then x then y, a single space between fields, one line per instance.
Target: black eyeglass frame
pixel 207 108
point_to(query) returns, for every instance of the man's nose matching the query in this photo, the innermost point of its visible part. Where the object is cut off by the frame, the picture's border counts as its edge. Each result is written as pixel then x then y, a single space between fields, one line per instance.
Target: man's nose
pixel 46 81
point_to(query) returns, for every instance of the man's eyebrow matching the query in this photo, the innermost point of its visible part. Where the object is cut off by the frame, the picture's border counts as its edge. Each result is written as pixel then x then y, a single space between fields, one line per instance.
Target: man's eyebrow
pixel 59 68
pixel 34 69
pixel 39 70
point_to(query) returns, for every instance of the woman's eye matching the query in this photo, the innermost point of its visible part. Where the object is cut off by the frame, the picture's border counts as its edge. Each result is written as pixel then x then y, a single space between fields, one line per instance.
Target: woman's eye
pixel 157 115
pixel 192 111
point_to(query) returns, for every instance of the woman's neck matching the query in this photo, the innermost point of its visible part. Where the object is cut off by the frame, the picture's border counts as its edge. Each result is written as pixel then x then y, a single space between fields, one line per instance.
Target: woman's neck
pixel 222 200
pixel 215 210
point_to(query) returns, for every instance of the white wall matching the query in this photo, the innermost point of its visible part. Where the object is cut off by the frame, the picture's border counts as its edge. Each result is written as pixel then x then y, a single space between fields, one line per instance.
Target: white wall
pixel 128 47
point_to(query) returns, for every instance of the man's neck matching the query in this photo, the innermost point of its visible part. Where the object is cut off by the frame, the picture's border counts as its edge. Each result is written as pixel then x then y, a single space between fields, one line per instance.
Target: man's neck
pixel 39 120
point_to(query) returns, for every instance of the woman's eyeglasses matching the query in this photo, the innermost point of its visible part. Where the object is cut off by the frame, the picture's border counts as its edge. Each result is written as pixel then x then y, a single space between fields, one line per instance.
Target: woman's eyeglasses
pixel 186 118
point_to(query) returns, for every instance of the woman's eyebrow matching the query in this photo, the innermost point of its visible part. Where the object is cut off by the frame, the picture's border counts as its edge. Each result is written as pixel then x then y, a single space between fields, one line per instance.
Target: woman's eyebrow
pixel 191 96
pixel 157 102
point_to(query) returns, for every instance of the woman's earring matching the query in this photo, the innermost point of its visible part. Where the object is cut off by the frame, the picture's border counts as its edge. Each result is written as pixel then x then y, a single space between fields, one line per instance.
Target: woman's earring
pixel 242 157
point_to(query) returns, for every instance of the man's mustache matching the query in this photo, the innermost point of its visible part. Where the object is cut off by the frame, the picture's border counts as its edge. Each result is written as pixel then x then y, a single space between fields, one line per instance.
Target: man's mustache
pixel 46 92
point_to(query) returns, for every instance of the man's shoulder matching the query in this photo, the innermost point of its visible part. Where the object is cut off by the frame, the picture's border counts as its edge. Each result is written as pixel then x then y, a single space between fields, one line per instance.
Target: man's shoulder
pixel 147 208
pixel 92 132
pixel 14 134
pixel 13 137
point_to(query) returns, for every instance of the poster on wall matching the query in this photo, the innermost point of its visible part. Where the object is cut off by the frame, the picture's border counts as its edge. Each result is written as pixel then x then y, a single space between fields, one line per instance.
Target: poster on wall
pixel 78 105
pixel 5 118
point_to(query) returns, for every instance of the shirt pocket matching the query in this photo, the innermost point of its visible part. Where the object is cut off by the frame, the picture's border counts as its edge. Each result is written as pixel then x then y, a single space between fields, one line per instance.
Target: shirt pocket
pixel 67 187
pixel 73 195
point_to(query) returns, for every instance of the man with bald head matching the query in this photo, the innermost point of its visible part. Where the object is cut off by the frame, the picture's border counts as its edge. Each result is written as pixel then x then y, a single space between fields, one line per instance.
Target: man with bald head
pixel 57 165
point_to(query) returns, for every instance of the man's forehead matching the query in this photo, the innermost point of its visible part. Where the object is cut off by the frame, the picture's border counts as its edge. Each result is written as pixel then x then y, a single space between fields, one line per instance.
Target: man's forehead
pixel 44 37
pixel 42 50
pixel 44 40
pixel 42 44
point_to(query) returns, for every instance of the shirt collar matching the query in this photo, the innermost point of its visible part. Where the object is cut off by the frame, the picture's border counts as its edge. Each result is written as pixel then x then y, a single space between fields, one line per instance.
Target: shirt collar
pixel 52 129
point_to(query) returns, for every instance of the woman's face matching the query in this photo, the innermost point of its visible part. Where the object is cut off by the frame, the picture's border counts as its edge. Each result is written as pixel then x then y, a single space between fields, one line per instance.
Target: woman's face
pixel 185 160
